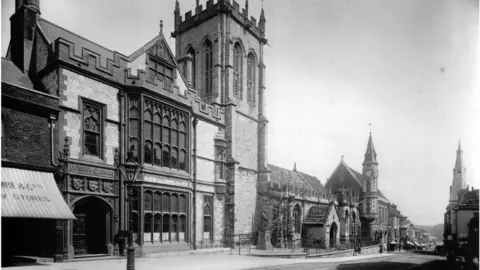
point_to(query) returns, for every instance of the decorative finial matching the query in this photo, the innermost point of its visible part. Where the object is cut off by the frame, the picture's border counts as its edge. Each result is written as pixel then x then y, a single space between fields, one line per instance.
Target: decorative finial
pixel 295 166
pixel 342 157
pixel 370 125
pixel 198 3
pixel 262 6
pixel 161 27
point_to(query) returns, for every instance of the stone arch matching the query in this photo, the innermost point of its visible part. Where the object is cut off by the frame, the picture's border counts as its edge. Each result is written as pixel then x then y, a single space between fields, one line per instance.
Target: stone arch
pixel 235 40
pixel 93 226
pixel 254 54
pixel 333 234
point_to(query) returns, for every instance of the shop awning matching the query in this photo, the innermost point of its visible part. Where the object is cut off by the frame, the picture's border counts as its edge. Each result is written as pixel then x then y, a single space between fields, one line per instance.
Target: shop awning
pixel 32 194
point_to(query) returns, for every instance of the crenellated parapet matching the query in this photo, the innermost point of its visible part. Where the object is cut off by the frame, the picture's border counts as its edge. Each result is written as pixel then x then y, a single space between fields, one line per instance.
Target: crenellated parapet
pixel 116 71
pixel 213 8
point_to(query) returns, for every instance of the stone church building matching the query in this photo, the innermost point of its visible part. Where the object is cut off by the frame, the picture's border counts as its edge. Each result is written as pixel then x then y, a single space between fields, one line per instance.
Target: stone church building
pixel 193 117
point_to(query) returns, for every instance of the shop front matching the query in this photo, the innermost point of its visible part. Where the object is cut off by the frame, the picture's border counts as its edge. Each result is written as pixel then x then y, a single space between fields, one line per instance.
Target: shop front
pixel 33 214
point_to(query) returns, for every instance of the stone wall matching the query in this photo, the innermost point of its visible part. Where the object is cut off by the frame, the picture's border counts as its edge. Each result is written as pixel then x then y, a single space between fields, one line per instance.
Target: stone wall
pixel 246 150
pixel 73 87
pixel 245 200
pixel 206 151
pixel 370 250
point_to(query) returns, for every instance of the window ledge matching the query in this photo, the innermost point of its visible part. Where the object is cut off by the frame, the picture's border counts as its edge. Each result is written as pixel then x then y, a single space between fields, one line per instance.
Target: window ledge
pixel 90 158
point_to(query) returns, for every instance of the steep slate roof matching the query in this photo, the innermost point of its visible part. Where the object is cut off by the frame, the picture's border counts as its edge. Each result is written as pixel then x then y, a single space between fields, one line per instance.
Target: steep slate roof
pixel 318 214
pixel 284 176
pixel 357 176
pixel 13 76
pixel 53 32
pixel 312 181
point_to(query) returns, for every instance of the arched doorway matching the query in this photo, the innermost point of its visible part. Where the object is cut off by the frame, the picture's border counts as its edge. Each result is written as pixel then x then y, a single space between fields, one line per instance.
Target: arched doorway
pixel 91 229
pixel 333 234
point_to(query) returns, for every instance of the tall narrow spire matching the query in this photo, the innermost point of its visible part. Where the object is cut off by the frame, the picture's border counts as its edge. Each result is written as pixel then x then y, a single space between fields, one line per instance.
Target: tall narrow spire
pixel 370 153
pixel 458 182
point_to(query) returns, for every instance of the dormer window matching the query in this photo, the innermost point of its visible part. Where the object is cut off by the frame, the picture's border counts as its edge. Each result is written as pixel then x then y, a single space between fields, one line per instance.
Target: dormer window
pixel 237 71
pixel 208 65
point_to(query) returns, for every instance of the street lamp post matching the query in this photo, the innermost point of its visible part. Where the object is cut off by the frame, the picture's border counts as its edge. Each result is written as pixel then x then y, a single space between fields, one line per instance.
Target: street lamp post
pixel 130 170
pixel 388 238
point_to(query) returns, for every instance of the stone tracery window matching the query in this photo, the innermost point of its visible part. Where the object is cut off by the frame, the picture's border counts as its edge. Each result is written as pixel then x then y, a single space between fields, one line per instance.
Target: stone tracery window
pixel 237 71
pixel 92 129
pixel 207 218
pixel 251 72
pixel 297 218
pixel 165 136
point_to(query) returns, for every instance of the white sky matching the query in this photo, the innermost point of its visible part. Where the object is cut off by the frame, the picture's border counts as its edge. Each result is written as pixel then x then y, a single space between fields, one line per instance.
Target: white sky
pixel 333 67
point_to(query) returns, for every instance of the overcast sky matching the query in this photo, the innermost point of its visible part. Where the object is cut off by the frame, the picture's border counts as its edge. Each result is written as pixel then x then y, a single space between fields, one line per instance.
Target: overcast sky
pixel 409 67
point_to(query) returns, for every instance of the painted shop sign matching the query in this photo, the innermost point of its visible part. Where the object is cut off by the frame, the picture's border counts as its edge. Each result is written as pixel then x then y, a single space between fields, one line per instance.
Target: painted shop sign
pixel 32 194
pixel 21 188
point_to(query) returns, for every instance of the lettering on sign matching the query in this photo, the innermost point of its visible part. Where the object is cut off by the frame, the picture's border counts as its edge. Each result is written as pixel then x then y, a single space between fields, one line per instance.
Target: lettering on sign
pixel 76 168
pixel 23 187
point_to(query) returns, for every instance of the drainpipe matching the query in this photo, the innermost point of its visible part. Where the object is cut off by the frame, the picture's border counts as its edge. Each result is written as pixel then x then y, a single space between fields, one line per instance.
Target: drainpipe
pixel 194 163
pixel 52 145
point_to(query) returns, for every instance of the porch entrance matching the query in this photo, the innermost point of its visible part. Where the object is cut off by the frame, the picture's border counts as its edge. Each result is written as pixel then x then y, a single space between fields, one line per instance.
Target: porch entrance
pixel 91 229
pixel 333 234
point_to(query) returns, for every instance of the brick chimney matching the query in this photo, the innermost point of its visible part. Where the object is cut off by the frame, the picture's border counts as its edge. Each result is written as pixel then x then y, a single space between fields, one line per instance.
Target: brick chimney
pixel 22 30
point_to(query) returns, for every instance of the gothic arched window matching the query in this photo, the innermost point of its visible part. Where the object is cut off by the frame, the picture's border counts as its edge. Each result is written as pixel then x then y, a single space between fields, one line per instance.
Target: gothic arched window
pixel 92 127
pixel 237 71
pixel 296 217
pixel 251 79
pixel 208 72
pixel 191 53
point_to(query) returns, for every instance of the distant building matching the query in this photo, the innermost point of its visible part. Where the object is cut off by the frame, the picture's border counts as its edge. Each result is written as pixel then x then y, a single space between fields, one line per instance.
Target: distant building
pixel 461 216
pixel 376 211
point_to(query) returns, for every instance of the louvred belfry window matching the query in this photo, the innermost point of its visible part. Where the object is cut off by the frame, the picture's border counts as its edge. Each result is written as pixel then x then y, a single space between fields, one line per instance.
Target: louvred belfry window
pixel 251 79
pixel 191 53
pixel 208 72
pixel 92 127
pixel 237 71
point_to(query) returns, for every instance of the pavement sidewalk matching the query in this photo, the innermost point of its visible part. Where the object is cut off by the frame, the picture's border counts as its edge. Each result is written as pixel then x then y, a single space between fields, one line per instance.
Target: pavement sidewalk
pixel 192 262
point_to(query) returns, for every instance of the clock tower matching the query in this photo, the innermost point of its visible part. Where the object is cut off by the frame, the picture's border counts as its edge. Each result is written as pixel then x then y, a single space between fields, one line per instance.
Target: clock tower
pixel 370 186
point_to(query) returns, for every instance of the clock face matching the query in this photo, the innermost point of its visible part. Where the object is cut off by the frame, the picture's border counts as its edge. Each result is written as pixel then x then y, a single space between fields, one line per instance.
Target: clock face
pixel 368 173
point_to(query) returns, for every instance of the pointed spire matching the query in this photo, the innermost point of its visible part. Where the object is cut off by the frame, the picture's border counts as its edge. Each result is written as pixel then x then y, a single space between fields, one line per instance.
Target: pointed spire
pixel 261 23
pixel 458 182
pixel 458 162
pixel 370 154
pixel 177 5
pixel 246 8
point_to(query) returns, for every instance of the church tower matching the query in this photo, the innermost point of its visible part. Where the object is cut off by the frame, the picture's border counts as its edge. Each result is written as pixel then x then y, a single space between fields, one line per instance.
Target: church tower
pixel 459 171
pixel 220 49
pixel 370 176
